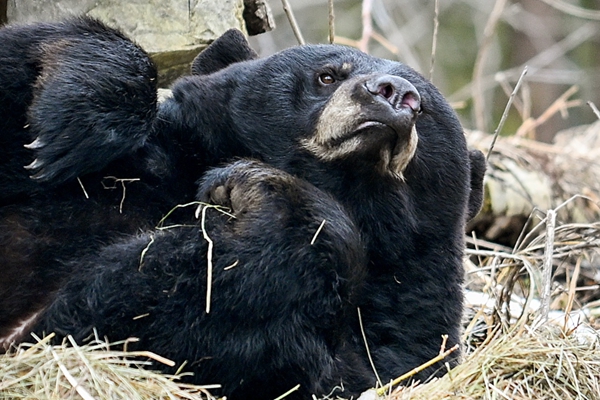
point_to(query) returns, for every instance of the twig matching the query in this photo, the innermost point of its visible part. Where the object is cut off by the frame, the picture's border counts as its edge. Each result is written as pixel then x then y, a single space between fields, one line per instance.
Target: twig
pixel 436 23
pixel 346 41
pixel 124 190
pixel 572 290
pixel 314 239
pixel 382 390
pixel 286 394
pixel 518 103
pixel 363 44
pixel 539 64
pixel 85 193
pixel 559 105
pixel 505 113
pixel 488 34
pixel 364 335
pixel 209 264
pixel 78 388
pixel 594 109
pixel 385 43
pixel 547 265
pixel 443 345
pixel 143 254
pixel 331 25
pixel 290 14
pixel 122 181
pixel 573 10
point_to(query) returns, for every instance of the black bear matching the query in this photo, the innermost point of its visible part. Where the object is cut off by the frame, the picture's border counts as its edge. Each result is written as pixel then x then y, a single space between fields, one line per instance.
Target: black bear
pixel 298 189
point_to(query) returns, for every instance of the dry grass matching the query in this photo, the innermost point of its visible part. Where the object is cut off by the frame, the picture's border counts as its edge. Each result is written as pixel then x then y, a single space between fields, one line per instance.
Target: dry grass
pixel 514 350
pixel 94 371
pixel 520 344
pixel 528 364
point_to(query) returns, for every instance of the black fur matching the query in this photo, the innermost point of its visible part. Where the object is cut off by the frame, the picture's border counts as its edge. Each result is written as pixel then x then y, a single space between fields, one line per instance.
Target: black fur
pixel 273 322
pixel 286 311
pixel 214 58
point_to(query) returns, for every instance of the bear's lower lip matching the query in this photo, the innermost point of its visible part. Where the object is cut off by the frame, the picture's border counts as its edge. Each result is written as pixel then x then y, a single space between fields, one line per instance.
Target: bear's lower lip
pixel 370 124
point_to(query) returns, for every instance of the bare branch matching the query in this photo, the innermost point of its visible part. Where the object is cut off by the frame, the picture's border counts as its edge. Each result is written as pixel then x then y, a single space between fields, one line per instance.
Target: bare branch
pixel 477 92
pixel 573 10
pixel 331 20
pixel 562 104
pixel 436 23
pixel 547 266
pixel 594 109
pixel 290 14
pixel 367 23
pixel 505 113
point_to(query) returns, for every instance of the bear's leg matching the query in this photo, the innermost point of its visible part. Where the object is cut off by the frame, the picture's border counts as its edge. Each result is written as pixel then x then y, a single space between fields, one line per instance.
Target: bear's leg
pixel 255 297
pixel 76 94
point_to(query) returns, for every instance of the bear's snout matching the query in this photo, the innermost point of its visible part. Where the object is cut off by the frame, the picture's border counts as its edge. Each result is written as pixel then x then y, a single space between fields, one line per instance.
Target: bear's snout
pixel 398 92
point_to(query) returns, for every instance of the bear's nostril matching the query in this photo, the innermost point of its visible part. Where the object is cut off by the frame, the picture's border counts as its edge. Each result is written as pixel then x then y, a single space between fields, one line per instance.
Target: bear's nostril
pixel 386 90
pixel 411 100
pixel 396 91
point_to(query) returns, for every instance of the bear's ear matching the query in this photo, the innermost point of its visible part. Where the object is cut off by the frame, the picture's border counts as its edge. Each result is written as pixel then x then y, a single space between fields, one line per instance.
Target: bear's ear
pixel 230 48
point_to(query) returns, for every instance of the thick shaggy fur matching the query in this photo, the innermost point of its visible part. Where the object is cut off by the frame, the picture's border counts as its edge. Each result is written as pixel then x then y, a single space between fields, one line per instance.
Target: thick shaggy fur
pixel 320 224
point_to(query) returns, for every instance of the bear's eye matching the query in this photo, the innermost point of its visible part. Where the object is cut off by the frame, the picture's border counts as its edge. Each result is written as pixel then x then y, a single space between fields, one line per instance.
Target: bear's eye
pixel 326 79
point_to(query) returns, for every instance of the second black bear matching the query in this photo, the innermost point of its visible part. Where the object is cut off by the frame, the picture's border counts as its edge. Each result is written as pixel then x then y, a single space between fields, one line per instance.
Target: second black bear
pixel 353 192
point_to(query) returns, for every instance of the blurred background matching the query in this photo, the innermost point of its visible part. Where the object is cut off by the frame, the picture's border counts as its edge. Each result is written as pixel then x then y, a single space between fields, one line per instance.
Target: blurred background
pixel 481 46
pixel 481 50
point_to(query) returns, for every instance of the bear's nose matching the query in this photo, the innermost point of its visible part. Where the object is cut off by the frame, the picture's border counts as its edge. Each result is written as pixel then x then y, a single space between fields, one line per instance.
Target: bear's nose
pixel 397 91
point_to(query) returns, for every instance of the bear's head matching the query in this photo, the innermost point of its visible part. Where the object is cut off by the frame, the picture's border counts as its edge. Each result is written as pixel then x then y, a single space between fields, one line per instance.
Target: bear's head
pixel 333 102
pixel 323 107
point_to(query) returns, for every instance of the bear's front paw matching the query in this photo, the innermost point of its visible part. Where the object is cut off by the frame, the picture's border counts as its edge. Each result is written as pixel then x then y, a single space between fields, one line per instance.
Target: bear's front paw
pixel 244 185
pixel 58 160
pixel 41 167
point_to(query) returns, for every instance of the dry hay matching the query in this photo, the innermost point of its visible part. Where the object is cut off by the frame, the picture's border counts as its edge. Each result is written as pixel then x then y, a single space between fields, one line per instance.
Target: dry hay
pixel 93 371
pixel 519 344
pixel 539 364
pixel 530 337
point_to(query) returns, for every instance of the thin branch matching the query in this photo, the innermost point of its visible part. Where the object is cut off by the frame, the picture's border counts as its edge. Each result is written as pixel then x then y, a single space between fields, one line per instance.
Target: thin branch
pixel 505 113
pixel 385 43
pixel 594 109
pixel 562 104
pixel 477 93
pixel 383 390
pixel 286 394
pixel 209 263
pixel 572 290
pixel 331 22
pixel 364 335
pixel 539 65
pixel 547 266
pixel 367 24
pixel 290 14
pixel 314 239
pixel 436 23
pixel 346 41
pixel 573 10
pixel 85 193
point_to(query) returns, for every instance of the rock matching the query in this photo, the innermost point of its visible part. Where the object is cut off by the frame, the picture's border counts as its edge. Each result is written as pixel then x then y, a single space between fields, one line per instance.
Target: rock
pixel 172 31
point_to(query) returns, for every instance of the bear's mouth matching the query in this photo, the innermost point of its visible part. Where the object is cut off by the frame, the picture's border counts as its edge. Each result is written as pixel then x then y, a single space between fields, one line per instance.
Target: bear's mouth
pixel 388 146
pixel 370 124
pixel 370 128
pixel 392 147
